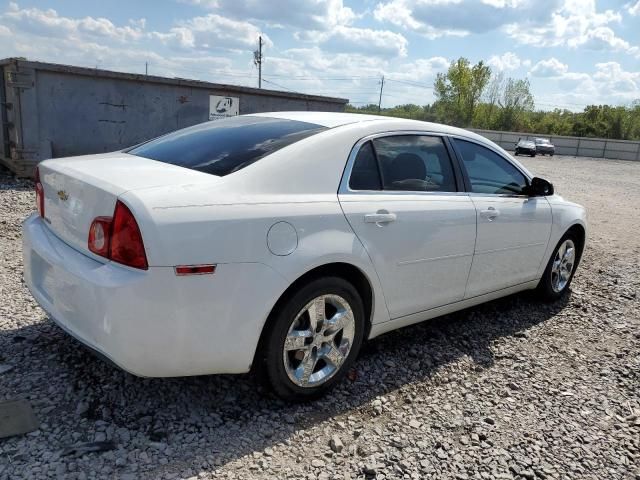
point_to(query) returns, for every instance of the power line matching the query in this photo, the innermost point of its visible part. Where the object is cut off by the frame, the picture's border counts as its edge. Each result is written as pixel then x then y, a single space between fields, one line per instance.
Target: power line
pixel 411 83
pixel 281 86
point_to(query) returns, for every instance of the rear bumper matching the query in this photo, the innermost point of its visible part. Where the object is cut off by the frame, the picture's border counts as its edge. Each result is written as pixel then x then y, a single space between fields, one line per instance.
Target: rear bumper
pixel 151 323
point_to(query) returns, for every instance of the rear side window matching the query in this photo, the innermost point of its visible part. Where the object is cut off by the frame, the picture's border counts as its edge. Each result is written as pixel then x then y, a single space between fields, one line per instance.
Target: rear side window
pixel 415 163
pixel 225 146
pixel 365 174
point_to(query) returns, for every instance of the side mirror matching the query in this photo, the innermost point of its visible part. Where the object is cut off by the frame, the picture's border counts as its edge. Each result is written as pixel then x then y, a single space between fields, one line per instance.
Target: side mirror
pixel 540 187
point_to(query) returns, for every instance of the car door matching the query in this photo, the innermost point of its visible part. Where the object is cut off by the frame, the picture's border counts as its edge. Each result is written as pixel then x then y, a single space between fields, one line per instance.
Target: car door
pixel 400 193
pixel 513 228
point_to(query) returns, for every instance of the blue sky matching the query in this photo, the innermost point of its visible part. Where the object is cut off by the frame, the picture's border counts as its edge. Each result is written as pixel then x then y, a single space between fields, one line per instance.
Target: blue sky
pixel 574 52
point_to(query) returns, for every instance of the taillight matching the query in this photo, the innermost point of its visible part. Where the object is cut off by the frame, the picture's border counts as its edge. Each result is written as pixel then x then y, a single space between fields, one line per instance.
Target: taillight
pixel 118 238
pixel 126 240
pixel 39 193
pixel 100 236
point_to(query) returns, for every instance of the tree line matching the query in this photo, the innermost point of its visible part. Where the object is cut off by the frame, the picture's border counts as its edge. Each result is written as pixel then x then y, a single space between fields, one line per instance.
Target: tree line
pixel 473 96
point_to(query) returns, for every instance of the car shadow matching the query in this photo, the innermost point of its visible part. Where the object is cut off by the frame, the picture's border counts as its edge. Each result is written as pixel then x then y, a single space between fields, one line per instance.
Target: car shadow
pixel 200 423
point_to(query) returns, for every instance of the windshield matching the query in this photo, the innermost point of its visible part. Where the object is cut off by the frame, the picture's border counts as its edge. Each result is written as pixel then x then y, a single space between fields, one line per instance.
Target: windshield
pixel 221 147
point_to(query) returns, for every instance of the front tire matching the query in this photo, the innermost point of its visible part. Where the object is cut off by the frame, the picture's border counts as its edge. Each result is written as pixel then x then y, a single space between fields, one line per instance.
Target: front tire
pixel 314 339
pixel 558 275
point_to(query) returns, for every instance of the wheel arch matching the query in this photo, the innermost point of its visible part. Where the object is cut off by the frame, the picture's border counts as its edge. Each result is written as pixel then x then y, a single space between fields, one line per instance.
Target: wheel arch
pixel 581 236
pixel 344 270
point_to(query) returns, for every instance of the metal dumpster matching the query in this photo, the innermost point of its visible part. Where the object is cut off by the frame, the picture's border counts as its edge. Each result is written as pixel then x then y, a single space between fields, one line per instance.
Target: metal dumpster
pixel 49 110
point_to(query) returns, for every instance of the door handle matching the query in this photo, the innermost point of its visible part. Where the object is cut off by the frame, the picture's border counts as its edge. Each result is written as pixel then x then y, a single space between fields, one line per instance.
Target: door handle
pixel 490 213
pixel 380 217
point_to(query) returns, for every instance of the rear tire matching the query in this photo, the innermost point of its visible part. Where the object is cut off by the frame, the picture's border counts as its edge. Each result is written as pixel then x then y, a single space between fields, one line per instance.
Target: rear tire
pixel 560 269
pixel 304 358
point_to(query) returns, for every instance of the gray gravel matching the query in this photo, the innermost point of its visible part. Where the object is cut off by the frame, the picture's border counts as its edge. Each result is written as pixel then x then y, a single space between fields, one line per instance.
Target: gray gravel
pixel 510 389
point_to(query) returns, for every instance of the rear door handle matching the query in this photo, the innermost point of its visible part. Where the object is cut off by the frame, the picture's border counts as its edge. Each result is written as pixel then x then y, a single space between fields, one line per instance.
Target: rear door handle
pixel 490 213
pixel 380 217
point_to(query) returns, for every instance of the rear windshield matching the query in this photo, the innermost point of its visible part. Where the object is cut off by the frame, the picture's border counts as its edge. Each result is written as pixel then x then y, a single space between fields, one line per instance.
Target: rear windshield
pixel 221 147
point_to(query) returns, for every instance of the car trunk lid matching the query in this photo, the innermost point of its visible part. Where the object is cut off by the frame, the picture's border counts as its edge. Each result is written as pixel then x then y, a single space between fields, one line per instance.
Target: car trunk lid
pixel 79 189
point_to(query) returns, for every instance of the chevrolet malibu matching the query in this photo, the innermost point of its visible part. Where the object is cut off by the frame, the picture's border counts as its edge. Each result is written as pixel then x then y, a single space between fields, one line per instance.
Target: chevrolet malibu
pixel 284 240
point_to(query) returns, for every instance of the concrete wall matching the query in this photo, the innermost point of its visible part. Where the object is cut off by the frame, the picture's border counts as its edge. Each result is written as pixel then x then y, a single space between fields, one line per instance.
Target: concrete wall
pixel 60 110
pixel 575 146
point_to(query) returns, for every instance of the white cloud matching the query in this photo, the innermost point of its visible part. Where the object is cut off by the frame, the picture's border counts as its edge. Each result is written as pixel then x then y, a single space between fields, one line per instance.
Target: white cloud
pixel 541 23
pixel 96 42
pixel 576 82
pixel 205 32
pixel 577 23
pixel 401 13
pixel 48 22
pixel 211 31
pixel 614 77
pixel 610 84
pixel 422 69
pixel 356 76
pixel 436 18
pixel 633 9
pixel 312 14
pixel 378 43
pixel 549 68
pixel 506 62
pixel 601 38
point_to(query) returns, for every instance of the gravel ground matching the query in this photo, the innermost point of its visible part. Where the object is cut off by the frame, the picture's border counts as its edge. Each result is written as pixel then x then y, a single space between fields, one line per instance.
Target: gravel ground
pixel 510 389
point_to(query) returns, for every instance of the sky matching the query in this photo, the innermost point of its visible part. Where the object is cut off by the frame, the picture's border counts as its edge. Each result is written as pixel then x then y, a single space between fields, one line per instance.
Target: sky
pixel 574 52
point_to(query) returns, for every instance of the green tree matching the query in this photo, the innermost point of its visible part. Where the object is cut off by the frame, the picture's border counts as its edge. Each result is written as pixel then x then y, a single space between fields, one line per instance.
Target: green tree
pixel 516 100
pixel 458 91
pixel 487 113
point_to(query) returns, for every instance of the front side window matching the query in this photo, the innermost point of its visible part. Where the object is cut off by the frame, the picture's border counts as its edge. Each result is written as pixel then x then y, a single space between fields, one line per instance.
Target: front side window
pixel 415 163
pixel 488 172
pixel 225 146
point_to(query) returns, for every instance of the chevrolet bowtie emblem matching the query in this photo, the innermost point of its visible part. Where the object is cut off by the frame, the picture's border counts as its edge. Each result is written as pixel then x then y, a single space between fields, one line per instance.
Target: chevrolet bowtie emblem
pixel 62 195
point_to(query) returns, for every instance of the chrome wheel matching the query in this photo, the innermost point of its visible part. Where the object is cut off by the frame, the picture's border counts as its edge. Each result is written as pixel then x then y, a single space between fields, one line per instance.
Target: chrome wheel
pixel 319 340
pixel 562 266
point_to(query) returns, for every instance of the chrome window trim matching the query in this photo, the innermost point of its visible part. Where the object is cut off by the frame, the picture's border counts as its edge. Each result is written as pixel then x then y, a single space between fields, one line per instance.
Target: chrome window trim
pixel 346 175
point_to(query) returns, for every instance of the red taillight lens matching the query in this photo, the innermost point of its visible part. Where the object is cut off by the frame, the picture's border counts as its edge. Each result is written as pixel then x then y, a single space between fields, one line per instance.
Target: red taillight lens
pixel 126 240
pixel 118 238
pixel 39 193
pixel 100 236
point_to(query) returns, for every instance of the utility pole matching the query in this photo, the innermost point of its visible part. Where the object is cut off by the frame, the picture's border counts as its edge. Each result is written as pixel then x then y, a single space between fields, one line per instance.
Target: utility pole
pixel 380 99
pixel 257 61
pixel 146 68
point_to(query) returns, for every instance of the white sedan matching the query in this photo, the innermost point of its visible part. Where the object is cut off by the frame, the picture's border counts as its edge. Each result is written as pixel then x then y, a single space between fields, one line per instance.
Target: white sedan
pixel 283 240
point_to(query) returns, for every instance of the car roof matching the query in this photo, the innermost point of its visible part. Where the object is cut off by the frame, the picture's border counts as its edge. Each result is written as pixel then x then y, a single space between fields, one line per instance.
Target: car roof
pixel 379 123
pixel 337 119
pixel 326 119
